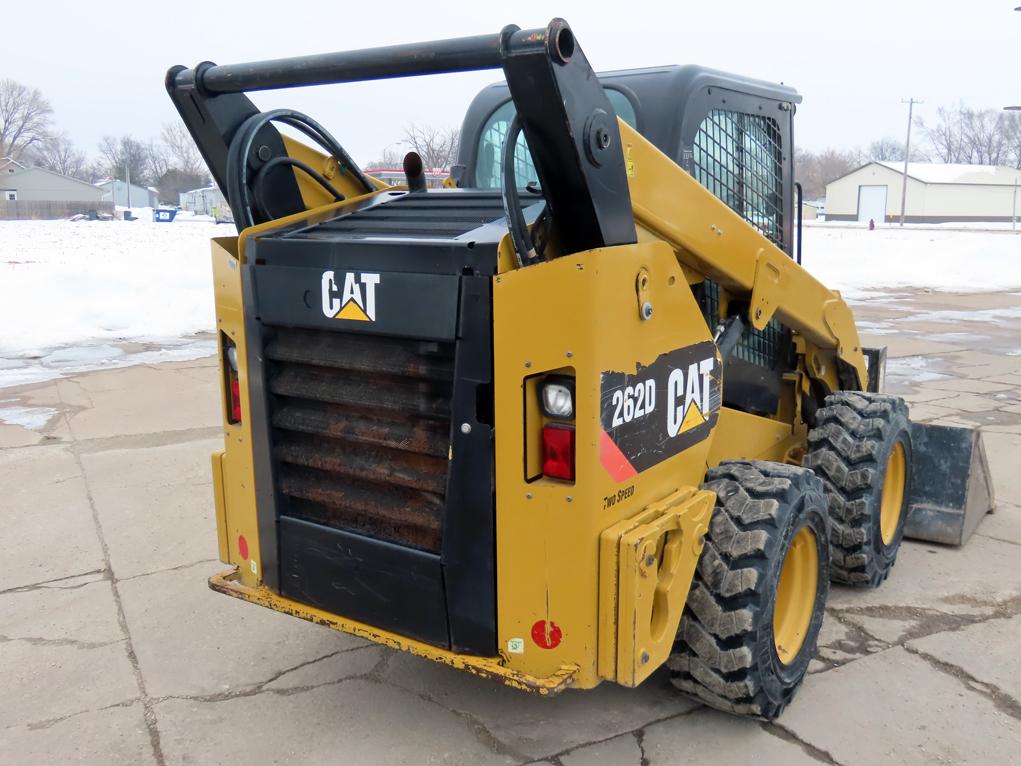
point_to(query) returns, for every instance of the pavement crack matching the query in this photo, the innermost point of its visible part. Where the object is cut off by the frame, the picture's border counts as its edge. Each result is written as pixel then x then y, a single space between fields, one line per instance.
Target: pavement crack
pixel 1000 699
pixel 556 757
pixel 998 539
pixel 260 687
pixel 476 727
pixel 148 711
pixel 39 641
pixel 858 643
pixel 925 621
pixel 51 584
pixel 275 677
pixel 48 722
pixel 640 741
pixel 780 731
pixel 167 569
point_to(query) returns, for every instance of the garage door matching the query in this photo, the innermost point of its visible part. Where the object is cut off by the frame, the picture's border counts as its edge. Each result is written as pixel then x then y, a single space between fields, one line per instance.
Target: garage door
pixel 872 203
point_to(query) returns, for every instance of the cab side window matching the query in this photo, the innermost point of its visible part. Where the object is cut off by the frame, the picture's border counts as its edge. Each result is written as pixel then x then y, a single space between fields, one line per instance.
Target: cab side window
pixel 489 165
pixel 738 157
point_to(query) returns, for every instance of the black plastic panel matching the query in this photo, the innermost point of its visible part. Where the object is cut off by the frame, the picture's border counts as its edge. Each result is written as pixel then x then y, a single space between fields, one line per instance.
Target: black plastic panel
pixel 384 303
pixel 389 586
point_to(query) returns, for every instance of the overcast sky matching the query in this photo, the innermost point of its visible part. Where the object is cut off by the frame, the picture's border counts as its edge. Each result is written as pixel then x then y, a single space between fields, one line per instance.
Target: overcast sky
pixel 102 66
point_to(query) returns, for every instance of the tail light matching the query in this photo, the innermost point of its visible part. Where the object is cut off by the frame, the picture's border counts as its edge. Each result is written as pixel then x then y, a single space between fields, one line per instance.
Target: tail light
pixel 558 451
pixel 233 387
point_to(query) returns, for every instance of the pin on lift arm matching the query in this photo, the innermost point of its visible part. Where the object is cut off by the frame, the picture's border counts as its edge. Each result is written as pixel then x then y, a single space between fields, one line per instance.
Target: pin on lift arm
pixel 566 117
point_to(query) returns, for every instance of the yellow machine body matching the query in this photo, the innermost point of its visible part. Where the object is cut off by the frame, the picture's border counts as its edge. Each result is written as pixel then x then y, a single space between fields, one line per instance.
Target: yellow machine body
pixel 592 575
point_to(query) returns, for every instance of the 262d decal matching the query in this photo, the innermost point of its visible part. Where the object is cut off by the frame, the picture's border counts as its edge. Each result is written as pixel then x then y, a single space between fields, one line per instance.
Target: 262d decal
pixel 659 410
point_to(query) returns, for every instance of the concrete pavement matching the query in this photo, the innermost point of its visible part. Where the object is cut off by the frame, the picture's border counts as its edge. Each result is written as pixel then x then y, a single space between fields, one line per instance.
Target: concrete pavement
pixel 113 650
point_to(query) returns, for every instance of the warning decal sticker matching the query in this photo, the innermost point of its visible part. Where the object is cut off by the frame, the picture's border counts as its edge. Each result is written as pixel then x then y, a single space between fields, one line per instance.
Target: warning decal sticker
pixel 658 411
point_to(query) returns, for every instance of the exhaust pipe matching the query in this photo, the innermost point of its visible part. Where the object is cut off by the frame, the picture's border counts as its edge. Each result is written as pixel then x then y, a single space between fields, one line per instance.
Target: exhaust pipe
pixel 414 173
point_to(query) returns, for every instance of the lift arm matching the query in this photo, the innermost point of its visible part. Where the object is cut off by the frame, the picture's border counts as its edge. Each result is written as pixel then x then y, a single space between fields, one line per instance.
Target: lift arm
pixel 566 117
pixel 715 241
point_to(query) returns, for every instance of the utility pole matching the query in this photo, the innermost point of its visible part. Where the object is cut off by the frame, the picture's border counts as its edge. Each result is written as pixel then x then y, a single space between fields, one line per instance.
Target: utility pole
pixel 1013 208
pixel 907 155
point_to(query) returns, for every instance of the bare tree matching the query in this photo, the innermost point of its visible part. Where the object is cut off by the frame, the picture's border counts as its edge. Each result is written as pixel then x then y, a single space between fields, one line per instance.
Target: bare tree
pixel 437 147
pixel 174 181
pixel 985 134
pixel 157 160
pixel 58 153
pixel 974 136
pixel 815 170
pixel 24 118
pixel 182 154
pixel 886 150
pixel 124 155
pixel 946 135
pixel 390 159
pixel 1013 130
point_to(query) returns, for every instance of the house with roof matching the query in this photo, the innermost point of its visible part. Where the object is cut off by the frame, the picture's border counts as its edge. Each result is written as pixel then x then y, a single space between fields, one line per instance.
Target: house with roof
pixel 9 165
pixel 41 193
pixel 936 193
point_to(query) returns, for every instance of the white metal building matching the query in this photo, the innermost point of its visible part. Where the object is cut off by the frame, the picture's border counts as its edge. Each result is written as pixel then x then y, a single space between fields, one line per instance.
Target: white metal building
pixel 937 193
pixel 128 195
pixel 206 201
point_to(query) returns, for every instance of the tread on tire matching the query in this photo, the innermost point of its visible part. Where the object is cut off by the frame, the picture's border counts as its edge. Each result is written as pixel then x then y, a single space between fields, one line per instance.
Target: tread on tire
pixel 849 450
pixel 725 655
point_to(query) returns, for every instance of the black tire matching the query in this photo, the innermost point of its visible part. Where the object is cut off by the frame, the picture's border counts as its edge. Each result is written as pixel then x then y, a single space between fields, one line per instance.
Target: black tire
pixel 725 654
pixel 849 450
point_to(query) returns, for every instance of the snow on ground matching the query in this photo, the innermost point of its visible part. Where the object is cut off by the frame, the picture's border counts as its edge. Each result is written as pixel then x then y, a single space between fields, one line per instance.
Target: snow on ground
pixel 77 296
pixel 857 261
pixel 35 418
pixel 70 290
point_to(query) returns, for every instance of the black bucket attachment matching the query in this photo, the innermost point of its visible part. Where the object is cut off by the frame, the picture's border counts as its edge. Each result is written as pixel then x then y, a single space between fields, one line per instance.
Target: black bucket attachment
pixel 951 489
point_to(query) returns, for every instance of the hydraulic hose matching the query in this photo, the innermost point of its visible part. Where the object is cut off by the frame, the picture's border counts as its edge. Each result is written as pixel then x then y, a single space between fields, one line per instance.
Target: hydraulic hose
pixel 238 189
pixel 524 250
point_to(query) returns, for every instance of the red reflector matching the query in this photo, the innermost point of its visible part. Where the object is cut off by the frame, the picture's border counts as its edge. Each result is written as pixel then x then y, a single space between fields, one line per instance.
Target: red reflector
pixel 235 399
pixel 558 452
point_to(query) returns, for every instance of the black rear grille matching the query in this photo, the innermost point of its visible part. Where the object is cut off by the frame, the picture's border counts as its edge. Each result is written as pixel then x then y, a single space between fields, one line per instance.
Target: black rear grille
pixel 437 214
pixel 361 431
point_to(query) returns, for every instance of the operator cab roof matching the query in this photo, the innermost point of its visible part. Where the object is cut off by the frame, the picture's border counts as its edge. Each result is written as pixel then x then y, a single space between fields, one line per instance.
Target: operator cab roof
pixel 662 97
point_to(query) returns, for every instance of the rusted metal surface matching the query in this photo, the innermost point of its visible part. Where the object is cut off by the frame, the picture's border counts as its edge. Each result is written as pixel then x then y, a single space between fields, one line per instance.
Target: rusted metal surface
pixel 322 384
pixel 429 437
pixel 368 506
pixel 369 463
pixel 415 359
pixel 491 668
pixel 361 431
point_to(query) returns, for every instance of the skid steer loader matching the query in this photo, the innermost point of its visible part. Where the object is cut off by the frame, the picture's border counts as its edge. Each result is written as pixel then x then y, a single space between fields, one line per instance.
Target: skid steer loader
pixel 578 415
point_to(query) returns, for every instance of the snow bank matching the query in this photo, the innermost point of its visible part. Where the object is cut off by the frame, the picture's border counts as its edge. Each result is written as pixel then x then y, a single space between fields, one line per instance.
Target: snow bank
pixel 64 283
pixel 69 292
pixel 856 261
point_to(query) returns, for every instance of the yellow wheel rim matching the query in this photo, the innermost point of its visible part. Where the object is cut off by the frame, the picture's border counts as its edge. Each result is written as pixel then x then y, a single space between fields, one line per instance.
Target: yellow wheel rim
pixel 795 595
pixel 893 493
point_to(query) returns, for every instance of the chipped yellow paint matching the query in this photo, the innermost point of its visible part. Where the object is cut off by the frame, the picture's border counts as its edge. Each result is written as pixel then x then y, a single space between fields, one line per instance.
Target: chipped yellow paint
pixel 487 667
pixel 649 560
pixel 233 472
pixel 718 243
pixel 548 531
